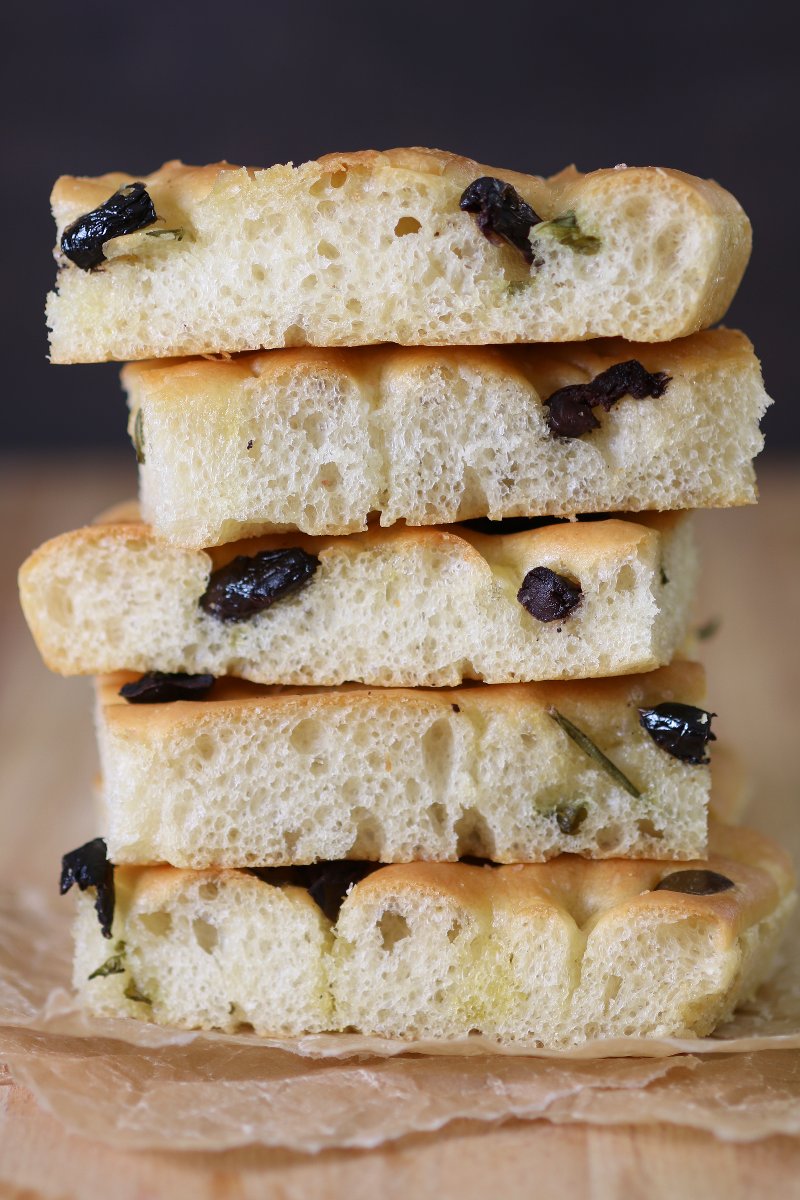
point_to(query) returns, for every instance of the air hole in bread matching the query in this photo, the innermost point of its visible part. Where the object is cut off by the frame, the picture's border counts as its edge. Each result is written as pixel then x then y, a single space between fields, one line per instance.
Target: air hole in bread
pixel 609 838
pixel 157 923
pixel 407 225
pixel 307 736
pixel 208 891
pixel 438 815
pixel 454 931
pixel 646 826
pixel 613 984
pixel 326 250
pixel 437 750
pixel 393 928
pixel 369 832
pixel 205 934
pixel 474 835
pixel 626 579
pixel 258 273
pixel 295 335
pixel 339 177
pixel 205 746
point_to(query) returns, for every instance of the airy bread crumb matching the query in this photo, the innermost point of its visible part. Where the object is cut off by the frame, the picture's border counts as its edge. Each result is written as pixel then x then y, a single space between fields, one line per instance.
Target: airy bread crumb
pixel 319 439
pixel 557 952
pixel 372 247
pixel 398 607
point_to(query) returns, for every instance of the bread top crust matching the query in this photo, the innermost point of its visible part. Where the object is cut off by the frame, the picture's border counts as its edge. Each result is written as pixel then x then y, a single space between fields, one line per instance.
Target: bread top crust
pixel 545 367
pixel 586 542
pixel 584 891
pixel 229 698
pixel 176 186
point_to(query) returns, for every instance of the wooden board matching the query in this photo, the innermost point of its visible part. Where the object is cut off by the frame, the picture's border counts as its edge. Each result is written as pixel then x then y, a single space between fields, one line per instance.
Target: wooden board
pixel 751 578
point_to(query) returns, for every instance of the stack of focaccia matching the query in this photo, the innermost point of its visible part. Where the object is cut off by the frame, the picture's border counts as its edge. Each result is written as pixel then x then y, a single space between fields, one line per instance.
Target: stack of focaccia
pixel 395 731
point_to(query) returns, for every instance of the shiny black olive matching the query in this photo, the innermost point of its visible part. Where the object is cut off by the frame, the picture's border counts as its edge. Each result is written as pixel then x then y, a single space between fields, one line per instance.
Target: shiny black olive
pixel 695 883
pixel 158 687
pixel 501 213
pixel 127 210
pixel 252 583
pixel 88 866
pixel 681 729
pixel 327 883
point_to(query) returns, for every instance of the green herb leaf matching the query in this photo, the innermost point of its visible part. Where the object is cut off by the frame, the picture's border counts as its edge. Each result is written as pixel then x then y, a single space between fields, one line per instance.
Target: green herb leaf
pixel 176 234
pixel 588 747
pixel 113 965
pixel 132 993
pixel 565 229
pixel 517 286
pixel 138 435
pixel 709 630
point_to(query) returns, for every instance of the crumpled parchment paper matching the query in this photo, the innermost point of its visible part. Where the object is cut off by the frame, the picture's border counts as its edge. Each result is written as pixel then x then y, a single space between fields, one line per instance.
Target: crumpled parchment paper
pixel 137 1085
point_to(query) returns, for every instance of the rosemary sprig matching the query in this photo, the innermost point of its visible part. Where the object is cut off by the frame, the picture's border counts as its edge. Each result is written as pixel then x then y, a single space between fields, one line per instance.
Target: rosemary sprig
pixel 565 229
pixel 113 965
pixel 138 435
pixel 588 747
pixel 176 234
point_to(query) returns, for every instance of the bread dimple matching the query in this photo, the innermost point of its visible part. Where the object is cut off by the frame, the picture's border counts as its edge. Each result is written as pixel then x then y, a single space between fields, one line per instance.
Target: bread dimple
pixel 387 255
pixel 559 952
pixel 400 607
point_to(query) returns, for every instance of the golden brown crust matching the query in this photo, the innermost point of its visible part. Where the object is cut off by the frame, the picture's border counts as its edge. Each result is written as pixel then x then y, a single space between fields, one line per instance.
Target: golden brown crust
pixel 189 184
pixel 585 541
pixel 681 680
pixel 588 891
pixel 546 367
pixel 592 890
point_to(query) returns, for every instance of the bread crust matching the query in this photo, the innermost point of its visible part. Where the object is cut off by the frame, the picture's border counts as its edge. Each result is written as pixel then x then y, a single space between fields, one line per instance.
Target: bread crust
pixel 590 891
pixel 229 697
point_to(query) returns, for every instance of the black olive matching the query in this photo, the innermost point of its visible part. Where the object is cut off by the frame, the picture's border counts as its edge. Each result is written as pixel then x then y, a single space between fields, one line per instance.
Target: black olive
pixel 570 817
pixel 158 687
pixel 502 214
pixel 570 408
pixel 548 596
pixel 88 866
pixel 126 211
pixel 570 412
pixel 250 584
pixel 327 883
pixel 510 524
pixel 681 729
pixel 695 883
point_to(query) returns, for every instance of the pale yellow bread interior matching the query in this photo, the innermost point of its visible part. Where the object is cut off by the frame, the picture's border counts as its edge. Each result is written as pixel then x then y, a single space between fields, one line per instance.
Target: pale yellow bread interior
pixel 397 607
pixel 323 439
pixel 556 952
pixel 355 249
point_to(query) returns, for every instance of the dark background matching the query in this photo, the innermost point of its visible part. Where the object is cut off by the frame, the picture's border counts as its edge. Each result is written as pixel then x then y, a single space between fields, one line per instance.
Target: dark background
pixel 707 87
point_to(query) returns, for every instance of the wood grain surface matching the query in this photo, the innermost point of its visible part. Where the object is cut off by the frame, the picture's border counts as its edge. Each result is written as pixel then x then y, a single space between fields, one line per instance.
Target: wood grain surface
pixel 751 579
